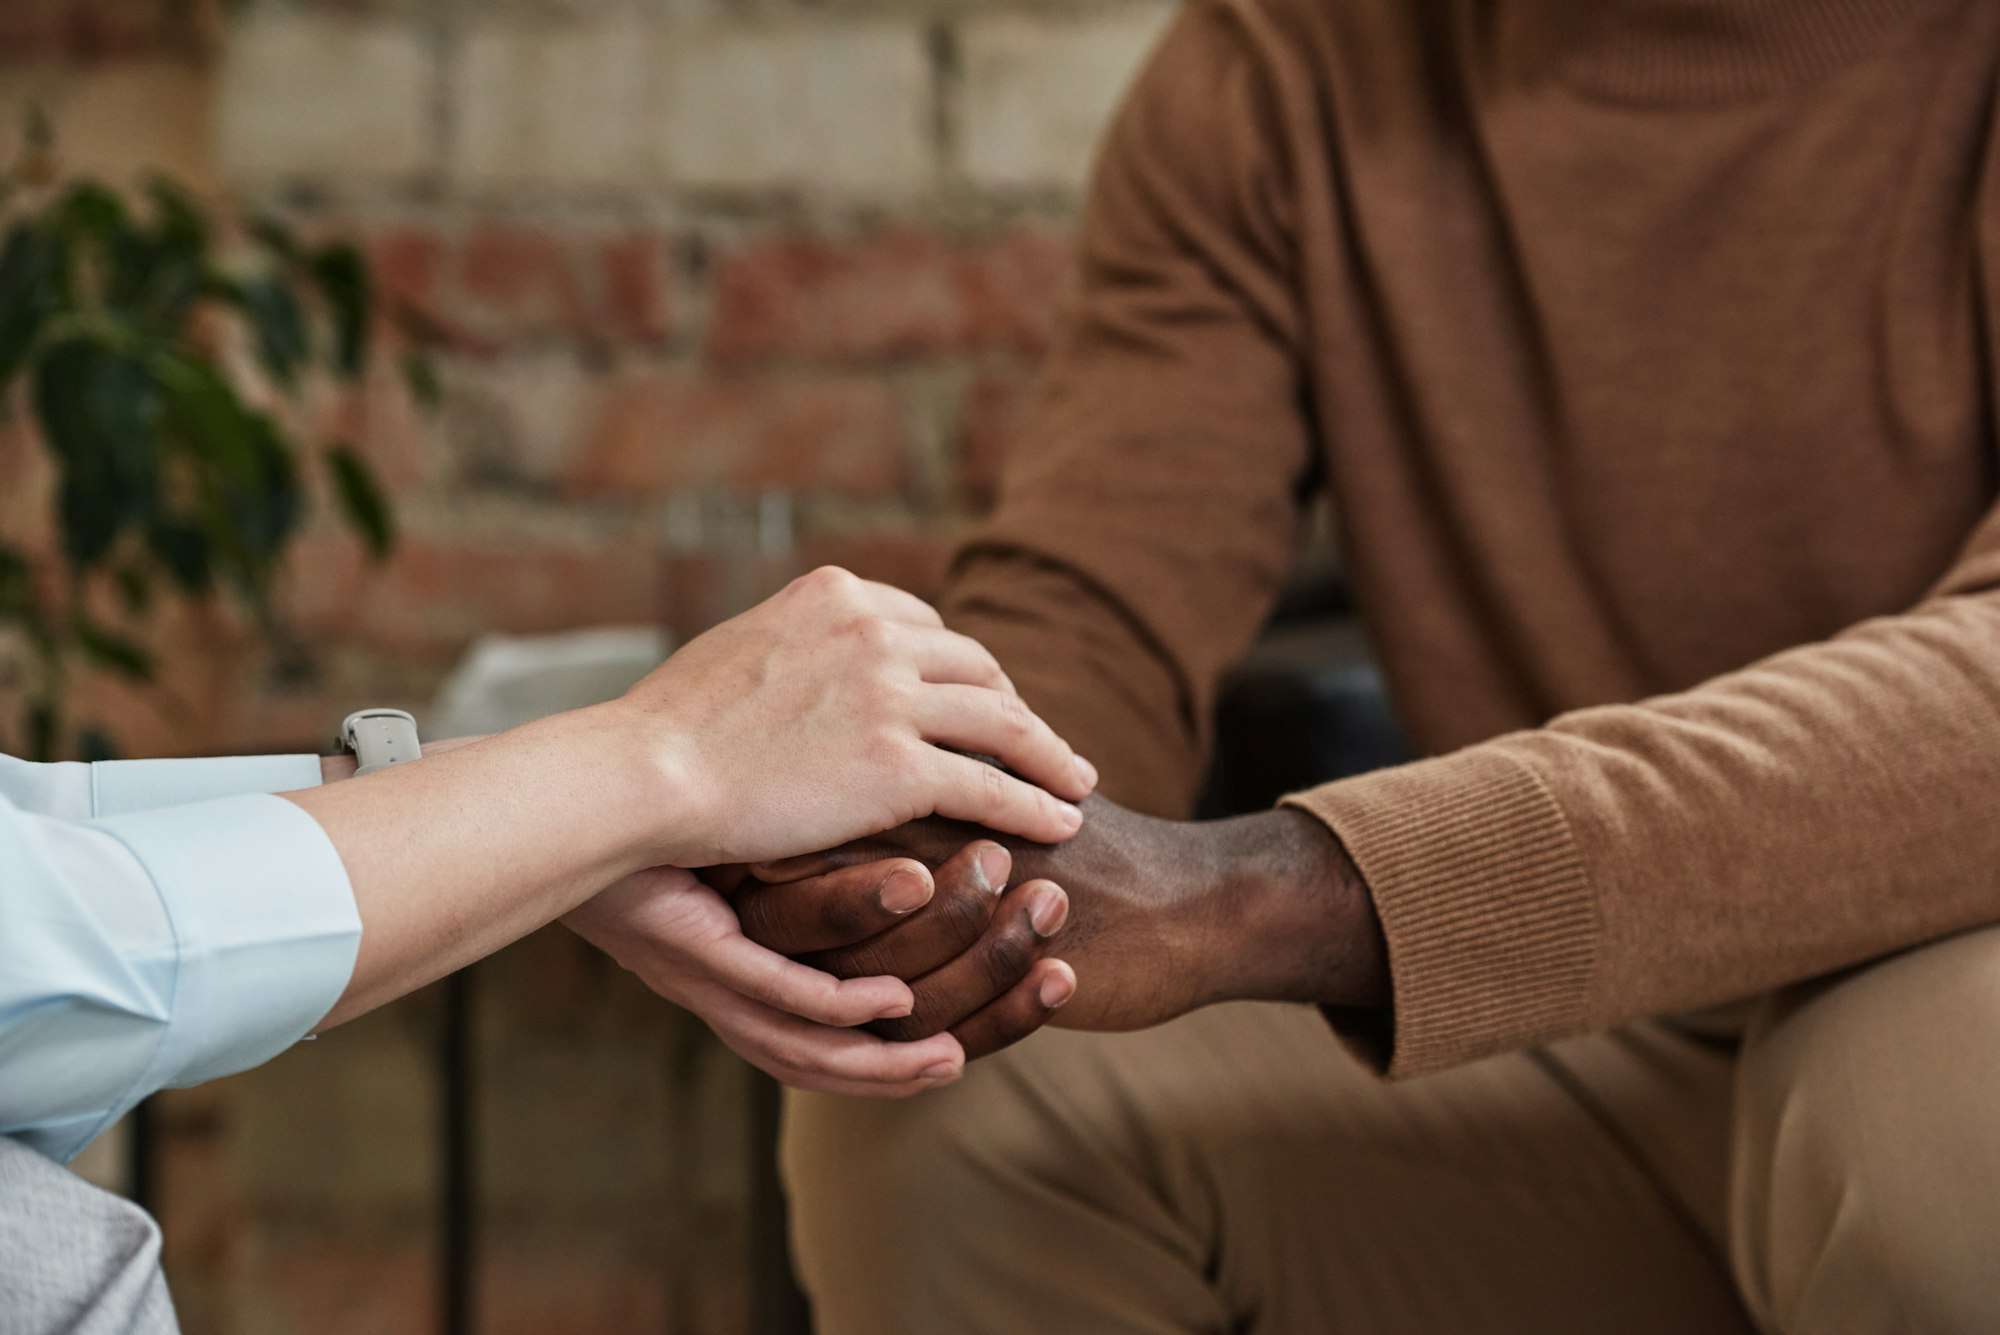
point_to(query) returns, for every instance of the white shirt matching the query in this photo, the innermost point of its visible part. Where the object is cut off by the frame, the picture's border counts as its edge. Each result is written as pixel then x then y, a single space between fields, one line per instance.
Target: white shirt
pixel 162 923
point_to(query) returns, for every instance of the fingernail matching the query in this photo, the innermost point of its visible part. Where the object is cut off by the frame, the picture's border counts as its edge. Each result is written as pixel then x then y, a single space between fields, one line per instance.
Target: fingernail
pixel 993 864
pixel 1048 913
pixel 897 1011
pixel 1086 771
pixel 1056 989
pixel 940 1071
pixel 904 892
pixel 1072 815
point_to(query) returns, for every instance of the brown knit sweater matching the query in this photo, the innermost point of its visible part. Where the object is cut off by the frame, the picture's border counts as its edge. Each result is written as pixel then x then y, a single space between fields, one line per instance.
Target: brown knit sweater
pixel 1646 349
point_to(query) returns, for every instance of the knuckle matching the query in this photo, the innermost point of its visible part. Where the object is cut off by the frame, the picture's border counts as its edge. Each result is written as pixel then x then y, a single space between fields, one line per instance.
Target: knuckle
pixel 1015 711
pixel 992 783
pixel 964 915
pixel 863 961
pixel 843 917
pixel 795 1054
pixel 886 750
pixel 1008 955
pixel 829 579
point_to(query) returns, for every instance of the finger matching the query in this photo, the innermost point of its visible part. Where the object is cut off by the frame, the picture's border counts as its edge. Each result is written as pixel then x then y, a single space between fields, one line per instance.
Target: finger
pixel 946 657
pixel 968 891
pixel 1028 916
pixel 1023 1010
pixel 972 790
pixel 1000 724
pixel 886 600
pixel 839 908
pixel 777 1042
pixel 749 970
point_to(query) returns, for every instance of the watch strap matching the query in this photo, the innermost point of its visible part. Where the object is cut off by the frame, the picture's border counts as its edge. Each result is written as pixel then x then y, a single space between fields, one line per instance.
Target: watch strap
pixel 380 738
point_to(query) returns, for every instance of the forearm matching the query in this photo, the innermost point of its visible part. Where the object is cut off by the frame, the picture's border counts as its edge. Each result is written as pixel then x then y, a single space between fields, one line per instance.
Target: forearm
pixel 1294 921
pixel 1267 907
pixel 480 843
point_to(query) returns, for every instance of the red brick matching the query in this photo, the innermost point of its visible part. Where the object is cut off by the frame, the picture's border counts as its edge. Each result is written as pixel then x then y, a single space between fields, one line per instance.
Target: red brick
pixel 87 30
pixel 658 432
pixel 632 272
pixel 378 417
pixel 916 561
pixel 519 280
pixel 409 266
pixel 438 592
pixel 991 412
pixel 504 282
pixel 894 294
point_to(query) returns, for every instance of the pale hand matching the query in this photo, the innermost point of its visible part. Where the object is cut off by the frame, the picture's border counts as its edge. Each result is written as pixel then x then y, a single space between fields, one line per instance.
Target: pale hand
pixel 795 1023
pixel 838 709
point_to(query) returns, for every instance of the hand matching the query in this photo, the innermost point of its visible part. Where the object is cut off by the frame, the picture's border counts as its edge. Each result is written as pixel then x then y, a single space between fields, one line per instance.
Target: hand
pixel 824 714
pixel 976 957
pixel 1165 916
pixel 793 1022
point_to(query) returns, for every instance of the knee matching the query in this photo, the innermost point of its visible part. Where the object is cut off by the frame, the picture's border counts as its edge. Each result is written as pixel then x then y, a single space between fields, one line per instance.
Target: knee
pixel 1866 1153
pixel 866 1178
pixel 900 1208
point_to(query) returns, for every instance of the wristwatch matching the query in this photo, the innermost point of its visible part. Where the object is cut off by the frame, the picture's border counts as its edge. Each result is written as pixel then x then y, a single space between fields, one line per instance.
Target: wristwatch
pixel 379 738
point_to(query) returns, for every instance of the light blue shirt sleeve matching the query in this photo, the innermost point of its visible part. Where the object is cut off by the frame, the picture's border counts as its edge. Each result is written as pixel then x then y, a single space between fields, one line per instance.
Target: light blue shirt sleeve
pixel 146 945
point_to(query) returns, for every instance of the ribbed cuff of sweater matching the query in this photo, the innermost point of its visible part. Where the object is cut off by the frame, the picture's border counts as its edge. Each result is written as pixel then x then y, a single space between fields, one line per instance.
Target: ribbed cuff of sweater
pixel 1488 914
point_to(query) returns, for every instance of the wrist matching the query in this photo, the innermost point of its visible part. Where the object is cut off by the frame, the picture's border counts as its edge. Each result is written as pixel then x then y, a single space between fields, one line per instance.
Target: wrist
pixel 1304 924
pixel 659 783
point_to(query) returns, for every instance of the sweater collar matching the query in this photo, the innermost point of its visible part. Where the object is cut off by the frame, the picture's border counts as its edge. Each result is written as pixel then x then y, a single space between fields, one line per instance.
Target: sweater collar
pixel 1707 50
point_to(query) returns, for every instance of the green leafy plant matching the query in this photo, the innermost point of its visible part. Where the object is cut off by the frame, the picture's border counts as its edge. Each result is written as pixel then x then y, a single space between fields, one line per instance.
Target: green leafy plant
pixel 115 318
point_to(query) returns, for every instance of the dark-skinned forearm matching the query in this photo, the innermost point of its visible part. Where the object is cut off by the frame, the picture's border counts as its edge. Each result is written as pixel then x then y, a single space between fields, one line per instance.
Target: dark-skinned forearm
pixel 1263 907
pixel 1297 922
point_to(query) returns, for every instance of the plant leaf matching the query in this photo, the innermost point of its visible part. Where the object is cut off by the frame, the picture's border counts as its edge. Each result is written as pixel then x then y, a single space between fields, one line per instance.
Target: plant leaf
pixel 361 500
pixel 183 549
pixel 280 325
pixel 343 281
pixel 252 513
pixel 420 375
pixel 100 410
pixel 93 211
pixel 31 265
pixel 19 602
pixel 272 234
pixel 178 219
pixel 40 722
pixel 203 413
pixel 135 591
pixel 113 652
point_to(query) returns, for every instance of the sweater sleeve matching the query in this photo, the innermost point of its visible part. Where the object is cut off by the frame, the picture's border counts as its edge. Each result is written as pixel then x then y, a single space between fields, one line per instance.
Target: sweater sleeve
pixel 1815 810
pixel 1150 503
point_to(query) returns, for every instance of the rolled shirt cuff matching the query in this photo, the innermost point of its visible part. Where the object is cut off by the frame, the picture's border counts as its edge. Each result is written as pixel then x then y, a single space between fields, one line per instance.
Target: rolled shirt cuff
pixel 121 786
pixel 1484 902
pixel 264 922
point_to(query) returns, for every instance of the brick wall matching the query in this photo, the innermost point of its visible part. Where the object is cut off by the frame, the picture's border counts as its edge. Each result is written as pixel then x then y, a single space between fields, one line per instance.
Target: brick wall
pixel 680 247
pixel 694 257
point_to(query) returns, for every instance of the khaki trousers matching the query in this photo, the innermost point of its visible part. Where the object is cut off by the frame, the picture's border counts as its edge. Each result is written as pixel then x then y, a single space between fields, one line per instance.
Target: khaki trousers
pixel 1237 1171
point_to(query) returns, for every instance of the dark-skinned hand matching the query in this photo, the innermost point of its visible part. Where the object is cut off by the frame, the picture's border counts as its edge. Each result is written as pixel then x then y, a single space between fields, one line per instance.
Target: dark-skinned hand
pixel 1163 916
pixel 973 949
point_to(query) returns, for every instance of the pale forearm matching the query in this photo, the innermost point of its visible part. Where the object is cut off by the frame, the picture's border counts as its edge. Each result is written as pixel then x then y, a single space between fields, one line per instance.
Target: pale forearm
pixel 482 842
